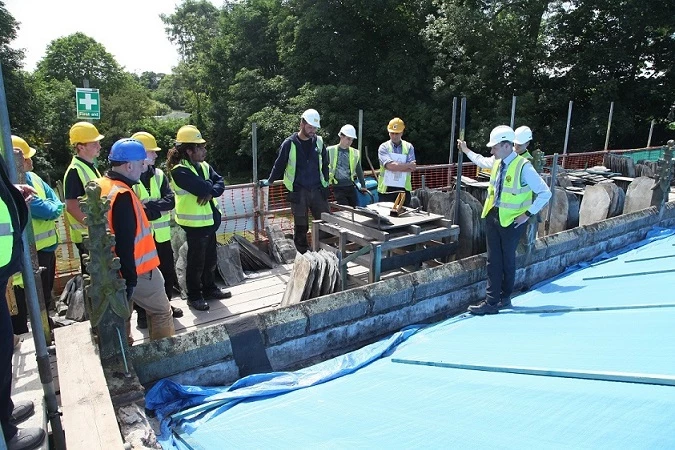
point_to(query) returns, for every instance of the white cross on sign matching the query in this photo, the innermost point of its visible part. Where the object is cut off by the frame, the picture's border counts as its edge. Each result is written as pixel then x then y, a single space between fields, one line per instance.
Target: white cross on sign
pixel 87 103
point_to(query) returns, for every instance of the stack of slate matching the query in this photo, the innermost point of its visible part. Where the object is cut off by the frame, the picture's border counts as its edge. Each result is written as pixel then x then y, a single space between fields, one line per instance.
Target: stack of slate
pixel 471 228
pixel 252 258
pixel 602 201
pixel 314 274
pixel 229 264
pixel 564 212
pixel 620 164
pixel 281 248
pixel 646 169
pixel 640 195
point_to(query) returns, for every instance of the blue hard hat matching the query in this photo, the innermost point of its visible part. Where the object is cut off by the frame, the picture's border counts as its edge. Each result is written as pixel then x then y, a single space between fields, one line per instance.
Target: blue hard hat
pixel 127 150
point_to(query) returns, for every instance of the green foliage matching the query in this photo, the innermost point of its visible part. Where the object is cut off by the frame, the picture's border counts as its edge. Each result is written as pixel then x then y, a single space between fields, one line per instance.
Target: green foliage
pixel 78 57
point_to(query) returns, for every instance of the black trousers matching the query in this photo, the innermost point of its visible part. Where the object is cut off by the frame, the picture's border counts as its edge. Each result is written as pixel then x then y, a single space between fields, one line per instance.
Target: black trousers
pixel 48 261
pixel 200 276
pixel 6 352
pixel 345 195
pixel 302 201
pixel 391 197
pixel 501 263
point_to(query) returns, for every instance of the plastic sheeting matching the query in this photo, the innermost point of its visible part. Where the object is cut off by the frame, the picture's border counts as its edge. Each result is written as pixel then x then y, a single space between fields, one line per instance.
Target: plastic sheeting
pixel 603 318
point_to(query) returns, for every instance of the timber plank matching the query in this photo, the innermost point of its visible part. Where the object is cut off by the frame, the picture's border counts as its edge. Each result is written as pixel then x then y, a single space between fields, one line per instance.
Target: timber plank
pixel 88 415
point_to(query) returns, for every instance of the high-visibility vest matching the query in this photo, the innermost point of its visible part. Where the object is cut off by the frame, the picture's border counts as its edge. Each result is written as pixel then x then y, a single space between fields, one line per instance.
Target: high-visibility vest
pixel 45 231
pixel 354 160
pixel 145 252
pixel 405 149
pixel 289 173
pixel 515 198
pixel 85 174
pixel 161 227
pixel 526 154
pixel 6 235
pixel 189 213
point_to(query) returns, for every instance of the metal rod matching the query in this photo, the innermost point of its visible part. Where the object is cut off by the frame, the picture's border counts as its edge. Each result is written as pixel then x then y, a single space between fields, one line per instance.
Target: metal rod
pixel 460 155
pixel 513 111
pixel 649 259
pixel 42 356
pixel 360 132
pixel 651 130
pixel 256 187
pixel 567 130
pixel 554 174
pixel 623 275
pixel 619 377
pixel 609 124
pixel 452 139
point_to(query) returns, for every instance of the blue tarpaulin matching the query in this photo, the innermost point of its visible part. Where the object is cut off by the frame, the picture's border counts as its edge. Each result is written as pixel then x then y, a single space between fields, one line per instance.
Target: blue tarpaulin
pixel 585 360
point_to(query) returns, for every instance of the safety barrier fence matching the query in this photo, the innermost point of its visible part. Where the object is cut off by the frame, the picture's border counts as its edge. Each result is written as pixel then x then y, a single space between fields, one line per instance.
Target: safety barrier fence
pixel 245 214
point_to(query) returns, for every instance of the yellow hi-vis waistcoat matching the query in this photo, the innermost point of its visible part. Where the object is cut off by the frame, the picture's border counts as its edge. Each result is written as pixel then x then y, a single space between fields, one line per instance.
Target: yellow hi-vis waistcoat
pixel 289 173
pixel 85 174
pixel 189 213
pixel 381 187
pixel 45 231
pixel 526 154
pixel 354 159
pixel 6 235
pixel 515 198
pixel 161 227
pixel 145 252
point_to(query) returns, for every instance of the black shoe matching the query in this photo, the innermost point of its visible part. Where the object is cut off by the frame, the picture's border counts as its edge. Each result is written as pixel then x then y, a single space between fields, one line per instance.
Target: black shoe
pixel 217 294
pixel 198 304
pixel 22 411
pixel 483 308
pixel 26 439
pixel 142 321
pixel 505 304
pixel 176 312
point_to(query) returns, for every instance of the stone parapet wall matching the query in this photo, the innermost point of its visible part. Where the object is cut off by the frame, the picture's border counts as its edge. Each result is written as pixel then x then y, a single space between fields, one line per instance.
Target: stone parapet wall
pixel 323 327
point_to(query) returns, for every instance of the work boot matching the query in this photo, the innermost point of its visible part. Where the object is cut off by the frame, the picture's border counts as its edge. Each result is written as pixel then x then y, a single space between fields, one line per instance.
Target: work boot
pixel 505 303
pixel 26 439
pixel 22 411
pixel 483 308
pixel 199 304
pixel 176 312
pixel 217 294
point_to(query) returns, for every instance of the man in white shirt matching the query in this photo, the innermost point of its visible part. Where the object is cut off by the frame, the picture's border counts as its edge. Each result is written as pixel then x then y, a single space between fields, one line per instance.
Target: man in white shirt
pixel 509 204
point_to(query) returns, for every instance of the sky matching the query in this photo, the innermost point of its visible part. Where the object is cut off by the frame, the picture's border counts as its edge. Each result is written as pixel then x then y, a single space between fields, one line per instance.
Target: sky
pixel 130 30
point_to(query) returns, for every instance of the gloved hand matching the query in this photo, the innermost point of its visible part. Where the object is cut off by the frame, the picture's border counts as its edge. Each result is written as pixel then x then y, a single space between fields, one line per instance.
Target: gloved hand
pixel 263 183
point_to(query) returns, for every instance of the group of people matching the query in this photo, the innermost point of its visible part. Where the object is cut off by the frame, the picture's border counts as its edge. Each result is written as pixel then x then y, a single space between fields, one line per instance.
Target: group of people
pixel 308 169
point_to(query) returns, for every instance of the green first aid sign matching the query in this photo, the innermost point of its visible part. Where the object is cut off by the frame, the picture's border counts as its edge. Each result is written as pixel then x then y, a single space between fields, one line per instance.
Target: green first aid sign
pixel 88 103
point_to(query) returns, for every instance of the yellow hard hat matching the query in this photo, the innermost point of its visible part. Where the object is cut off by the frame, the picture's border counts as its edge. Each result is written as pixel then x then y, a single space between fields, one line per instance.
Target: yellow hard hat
pixel 22 145
pixel 83 133
pixel 396 125
pixel 189 134
pixel 147 140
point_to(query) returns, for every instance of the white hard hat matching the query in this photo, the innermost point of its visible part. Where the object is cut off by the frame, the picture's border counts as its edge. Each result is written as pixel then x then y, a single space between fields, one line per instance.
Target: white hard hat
pixel 523 135
pixel 500 134
pixel 349 131
pixel 312 117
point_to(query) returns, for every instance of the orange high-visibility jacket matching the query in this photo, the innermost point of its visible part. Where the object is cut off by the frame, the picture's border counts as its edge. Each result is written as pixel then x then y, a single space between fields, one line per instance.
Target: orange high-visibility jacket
pixel 145 252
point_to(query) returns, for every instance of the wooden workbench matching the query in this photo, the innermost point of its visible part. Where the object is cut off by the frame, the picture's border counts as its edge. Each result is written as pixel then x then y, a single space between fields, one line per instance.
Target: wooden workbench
pixel 385 243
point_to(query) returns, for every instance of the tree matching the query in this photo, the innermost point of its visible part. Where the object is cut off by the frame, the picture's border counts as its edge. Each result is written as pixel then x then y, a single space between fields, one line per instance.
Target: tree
pixel 78 57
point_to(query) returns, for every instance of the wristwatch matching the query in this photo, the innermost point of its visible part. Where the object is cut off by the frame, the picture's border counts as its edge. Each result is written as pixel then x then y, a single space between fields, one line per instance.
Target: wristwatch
pixel 528 214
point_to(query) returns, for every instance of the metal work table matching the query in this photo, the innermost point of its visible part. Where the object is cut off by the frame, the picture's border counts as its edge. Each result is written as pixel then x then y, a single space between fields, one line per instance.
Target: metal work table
pixel 385 243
